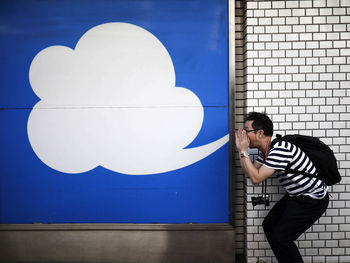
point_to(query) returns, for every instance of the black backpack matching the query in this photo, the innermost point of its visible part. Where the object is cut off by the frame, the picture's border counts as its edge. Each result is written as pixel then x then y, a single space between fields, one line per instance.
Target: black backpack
pixel 320 154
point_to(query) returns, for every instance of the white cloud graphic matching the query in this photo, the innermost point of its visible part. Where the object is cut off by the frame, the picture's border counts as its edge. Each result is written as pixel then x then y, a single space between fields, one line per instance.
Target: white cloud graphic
pixel 112 102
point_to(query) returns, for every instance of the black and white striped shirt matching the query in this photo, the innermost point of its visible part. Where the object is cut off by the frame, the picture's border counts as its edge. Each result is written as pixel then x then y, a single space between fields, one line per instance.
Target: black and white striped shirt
pixel 282 154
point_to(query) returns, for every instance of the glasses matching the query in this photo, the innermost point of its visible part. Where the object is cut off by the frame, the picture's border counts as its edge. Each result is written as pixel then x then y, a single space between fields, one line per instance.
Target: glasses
pixel 246 130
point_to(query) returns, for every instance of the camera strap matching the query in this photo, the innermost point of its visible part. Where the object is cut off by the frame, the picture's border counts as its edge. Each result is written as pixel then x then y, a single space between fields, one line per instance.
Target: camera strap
pixel 264 189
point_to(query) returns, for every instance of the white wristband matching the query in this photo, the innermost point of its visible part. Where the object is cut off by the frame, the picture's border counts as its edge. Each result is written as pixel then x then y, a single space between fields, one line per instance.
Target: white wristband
pixel 244 155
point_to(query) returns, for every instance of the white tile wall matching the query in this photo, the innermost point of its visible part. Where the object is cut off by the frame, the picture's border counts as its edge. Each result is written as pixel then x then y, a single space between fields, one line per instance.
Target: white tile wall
pixel 296 57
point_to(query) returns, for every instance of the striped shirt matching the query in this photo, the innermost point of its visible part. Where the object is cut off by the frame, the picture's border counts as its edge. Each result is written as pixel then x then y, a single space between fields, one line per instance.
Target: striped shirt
pixel 283 154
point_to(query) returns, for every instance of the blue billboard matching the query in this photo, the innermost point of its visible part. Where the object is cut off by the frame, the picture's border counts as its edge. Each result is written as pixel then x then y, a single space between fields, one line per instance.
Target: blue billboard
pixel 114 111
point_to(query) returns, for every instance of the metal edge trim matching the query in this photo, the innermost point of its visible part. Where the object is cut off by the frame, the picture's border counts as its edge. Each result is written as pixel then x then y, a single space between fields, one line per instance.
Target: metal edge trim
pixel 232 77
pixel 119 227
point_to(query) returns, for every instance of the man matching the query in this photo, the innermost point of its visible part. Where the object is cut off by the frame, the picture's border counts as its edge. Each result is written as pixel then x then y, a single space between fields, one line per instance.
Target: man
pixel 306 198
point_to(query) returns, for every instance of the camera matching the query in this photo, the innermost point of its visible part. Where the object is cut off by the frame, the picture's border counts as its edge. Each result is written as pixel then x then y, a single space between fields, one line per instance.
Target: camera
pixel 261 200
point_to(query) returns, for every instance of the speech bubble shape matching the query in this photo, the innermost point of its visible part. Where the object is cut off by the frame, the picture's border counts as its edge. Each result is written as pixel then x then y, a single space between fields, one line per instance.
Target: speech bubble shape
pixel 112 102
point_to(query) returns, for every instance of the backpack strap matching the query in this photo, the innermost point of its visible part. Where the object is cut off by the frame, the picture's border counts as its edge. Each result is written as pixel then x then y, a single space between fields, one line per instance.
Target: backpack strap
pixel 279 138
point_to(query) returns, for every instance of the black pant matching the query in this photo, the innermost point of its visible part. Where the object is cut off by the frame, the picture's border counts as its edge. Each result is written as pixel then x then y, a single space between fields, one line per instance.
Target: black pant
pixel 287 220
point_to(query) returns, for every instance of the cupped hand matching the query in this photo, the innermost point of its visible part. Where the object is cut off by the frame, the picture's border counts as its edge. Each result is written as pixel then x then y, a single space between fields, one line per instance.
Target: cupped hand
pixel 242 140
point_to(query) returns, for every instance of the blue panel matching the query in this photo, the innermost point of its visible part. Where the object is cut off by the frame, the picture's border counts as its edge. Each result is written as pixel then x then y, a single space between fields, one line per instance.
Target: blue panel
pixel 195 33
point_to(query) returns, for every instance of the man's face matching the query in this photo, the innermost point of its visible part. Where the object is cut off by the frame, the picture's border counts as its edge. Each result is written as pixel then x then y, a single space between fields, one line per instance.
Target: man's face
pixel 251 133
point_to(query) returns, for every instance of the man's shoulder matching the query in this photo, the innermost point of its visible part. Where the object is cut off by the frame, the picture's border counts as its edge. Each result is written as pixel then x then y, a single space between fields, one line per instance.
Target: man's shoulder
pixel 280 144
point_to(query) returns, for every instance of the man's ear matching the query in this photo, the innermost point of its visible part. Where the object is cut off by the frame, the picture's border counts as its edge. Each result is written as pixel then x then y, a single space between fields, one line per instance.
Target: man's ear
pixel 261 133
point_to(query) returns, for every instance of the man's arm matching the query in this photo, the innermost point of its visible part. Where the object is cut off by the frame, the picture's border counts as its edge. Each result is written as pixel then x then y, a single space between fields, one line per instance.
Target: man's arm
pixel 257 165
pixel 255 171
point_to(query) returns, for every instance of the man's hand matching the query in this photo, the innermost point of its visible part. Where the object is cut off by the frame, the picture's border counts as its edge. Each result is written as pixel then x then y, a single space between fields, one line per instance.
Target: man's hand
pixel 242 140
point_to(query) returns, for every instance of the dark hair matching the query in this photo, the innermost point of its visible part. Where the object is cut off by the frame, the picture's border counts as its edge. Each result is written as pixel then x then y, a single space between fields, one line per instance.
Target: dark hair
pixel 261 121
